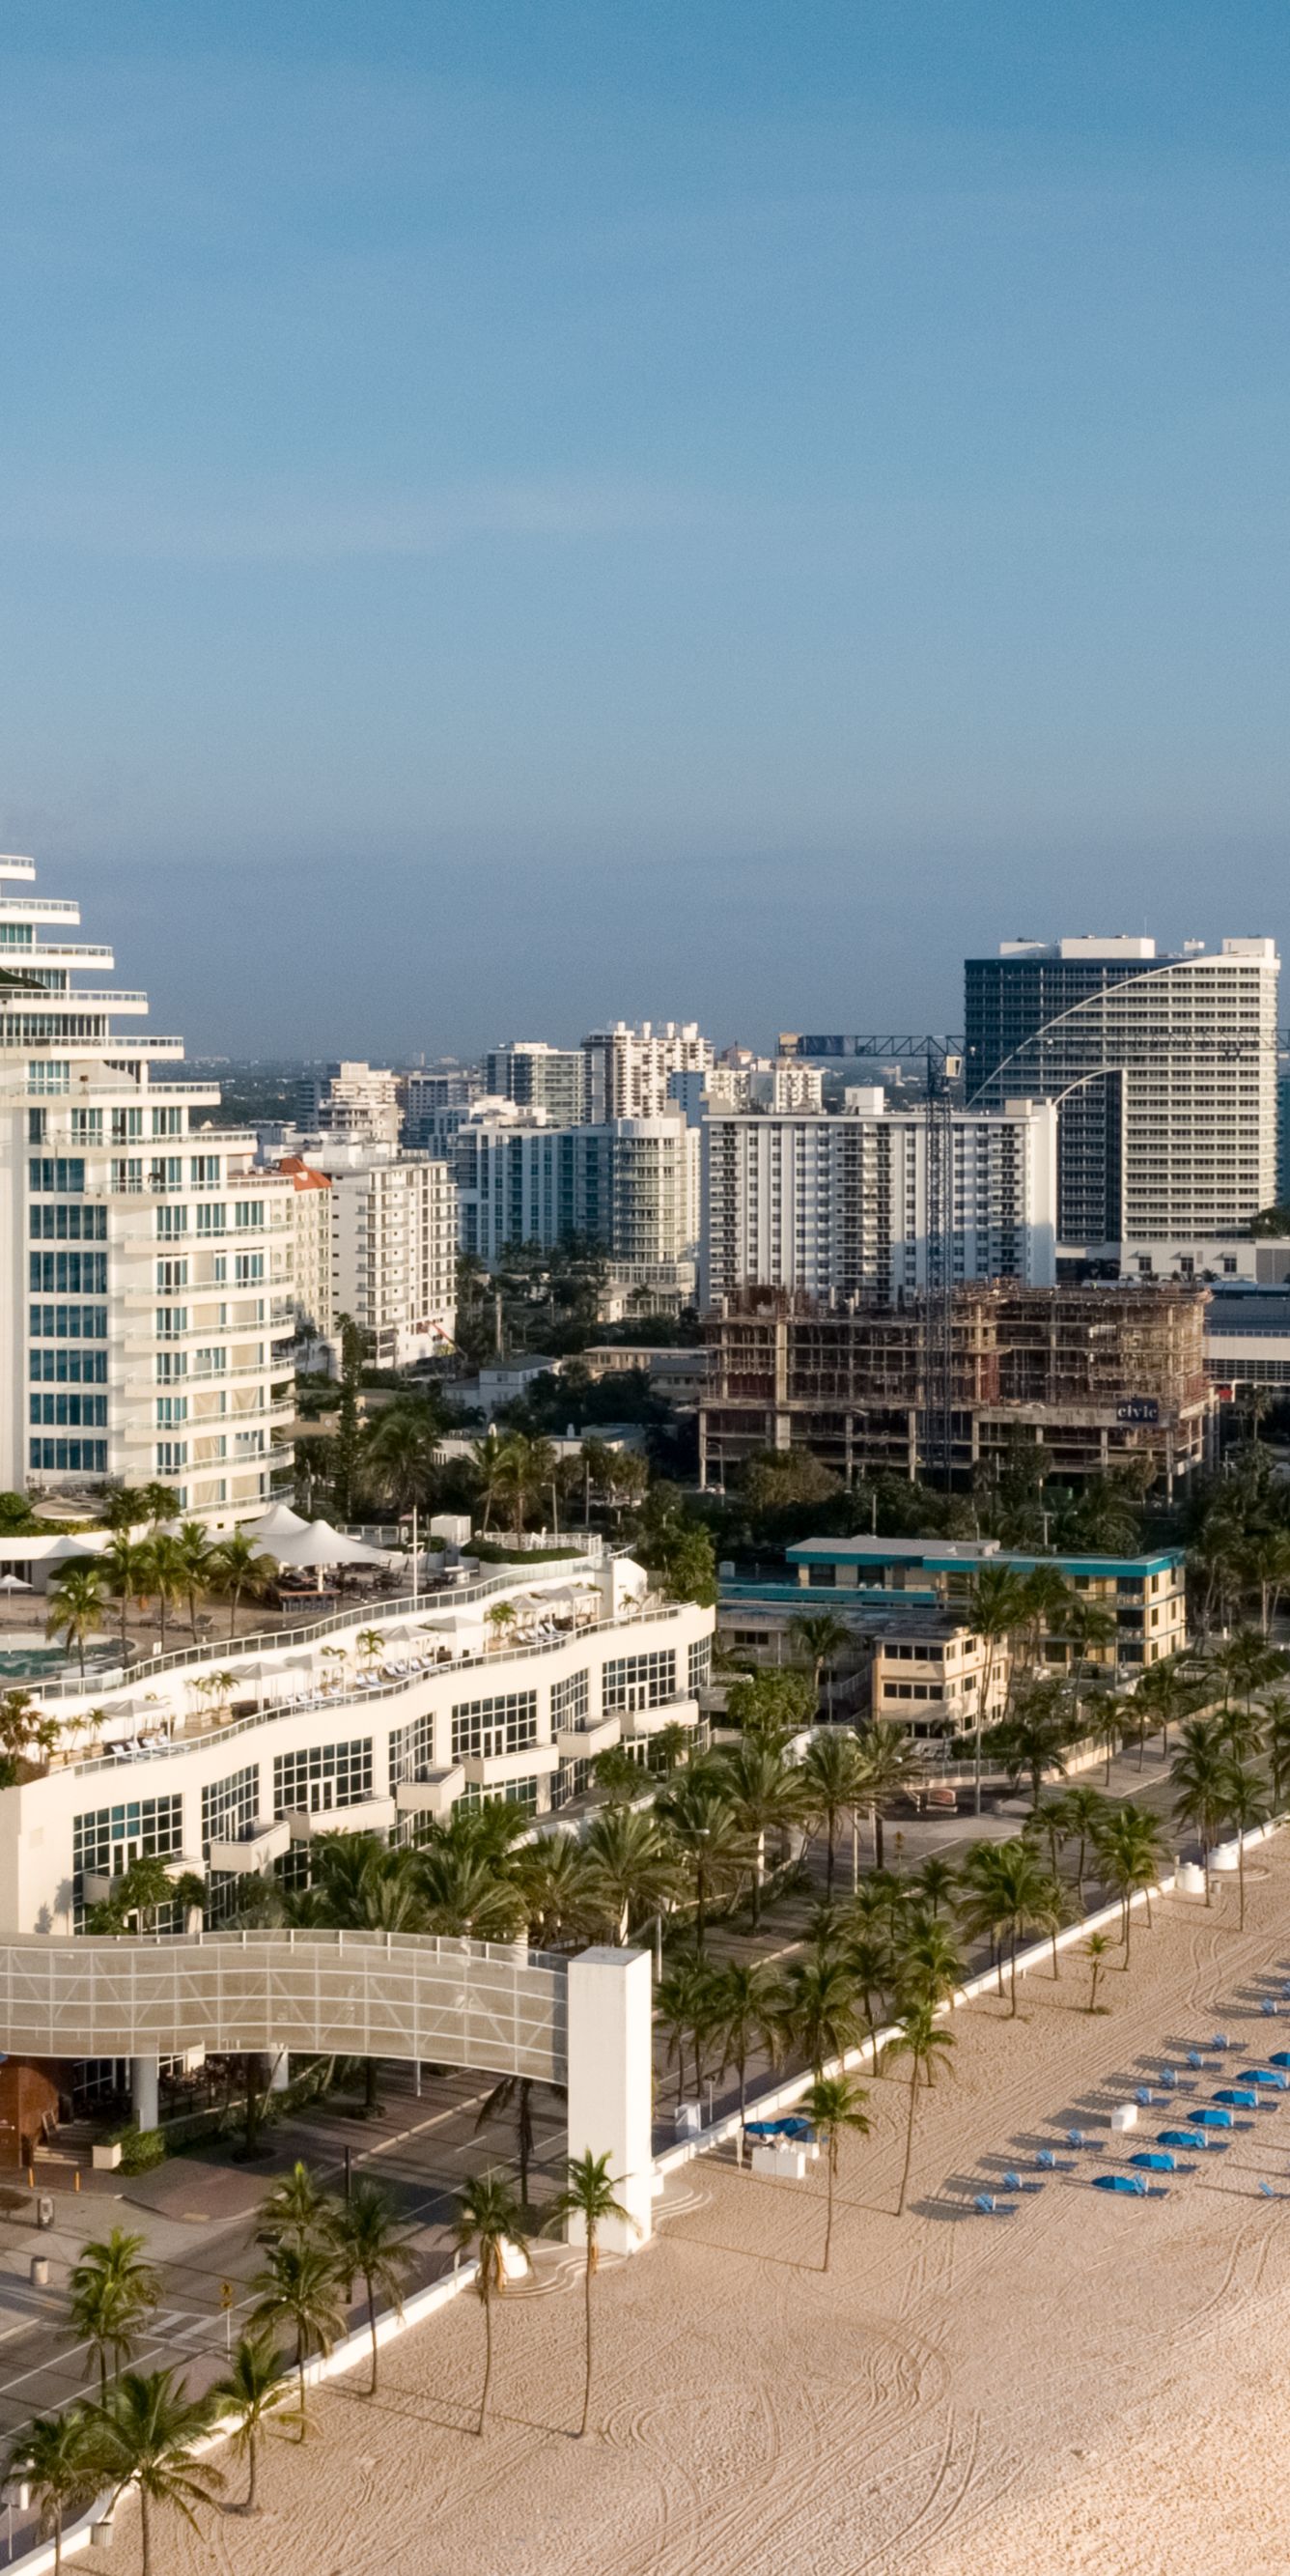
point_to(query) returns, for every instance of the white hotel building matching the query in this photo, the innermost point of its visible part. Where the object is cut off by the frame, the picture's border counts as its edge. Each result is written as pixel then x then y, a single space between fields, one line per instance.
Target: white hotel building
pixel 838 1206
pixel 306 1733
pixel 146 1264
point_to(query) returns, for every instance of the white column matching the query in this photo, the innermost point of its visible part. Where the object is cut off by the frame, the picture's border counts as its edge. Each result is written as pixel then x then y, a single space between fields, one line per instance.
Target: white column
pixel 143 2092
pixel 611 2080
pixel 279 2067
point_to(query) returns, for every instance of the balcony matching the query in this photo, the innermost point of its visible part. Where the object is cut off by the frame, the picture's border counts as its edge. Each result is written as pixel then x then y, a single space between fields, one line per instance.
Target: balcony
pixel 497 1770
pixel 594 1735
pixel 253 1851
pixel 435 1794
pixel 639 1722
pixel 366 1816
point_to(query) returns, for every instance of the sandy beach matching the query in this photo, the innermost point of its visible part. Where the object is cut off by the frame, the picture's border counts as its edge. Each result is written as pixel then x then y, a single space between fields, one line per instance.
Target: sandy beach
pixel 1093 2385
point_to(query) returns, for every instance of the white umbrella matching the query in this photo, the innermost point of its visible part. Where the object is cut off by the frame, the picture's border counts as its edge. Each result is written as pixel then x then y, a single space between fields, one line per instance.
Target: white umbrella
pixel 13 1583
pixel 320 1544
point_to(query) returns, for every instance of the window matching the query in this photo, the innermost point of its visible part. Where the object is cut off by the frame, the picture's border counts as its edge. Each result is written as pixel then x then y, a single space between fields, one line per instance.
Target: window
pixel 170 1455
pixel 171 1221
pixel 171 1275
pixel 170 1409
pixel 247 1266
pixel 212 1217
pixel 699 1672
pixel 80 1457
pixel 640 1681
pixel 506 1723
pixel 107 1839
pixel 411 1750
pixel 56 1172
pixel 77 1273
pixel 205 1171
pixel 326 1776
pixel 74 1224
pixel 50 1078
pixel 86 1411
pixel 229 1806
pixel 70 1368
pixel 248 1215
pixel 127 1124
pixel 167 1122
pixel 67 1323
pixel 570 1701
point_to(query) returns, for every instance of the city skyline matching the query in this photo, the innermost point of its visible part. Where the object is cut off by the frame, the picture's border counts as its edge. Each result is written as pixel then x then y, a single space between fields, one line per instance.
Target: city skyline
pixel 699 495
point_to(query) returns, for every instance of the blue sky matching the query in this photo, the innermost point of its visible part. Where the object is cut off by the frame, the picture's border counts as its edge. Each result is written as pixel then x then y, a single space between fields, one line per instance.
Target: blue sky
pixel 514 514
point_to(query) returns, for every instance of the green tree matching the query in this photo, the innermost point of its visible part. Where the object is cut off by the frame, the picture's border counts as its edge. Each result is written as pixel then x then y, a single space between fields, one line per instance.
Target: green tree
pixel 489 2218
pixel 707 1835
pixel 588 2202
pixel 347 1450
pixel 929 1964
pixel 893 1764
pixel 200 1560
pixel 515 2092
pixel 834 1779
pixel 1008 1895
pixel 26 1735
pixel 747 2005
pixel 1036 1738
pixel 398 1451
pixel 370 2243
pixel 553 1877
pixel 833 2108
pixel 1130 1860
pixel 241 1572
pixel 819 2013
pixel 111 2293
pixel 1247 1809
pixel 1085 1810
pixel 465 1897
pixel 632 1871
pixel 297 2211
pixel 124 1567
pixel 1097 1950
pixel 77 1607
pixel 822 1637
pixel 1200 1774
pixel 165 1577
pixel 254 2389
pixel 766 1796
pixel 60 2457
pixel 300 2287
pixel 922 2040
pixel 150 2428
pixel 995 1608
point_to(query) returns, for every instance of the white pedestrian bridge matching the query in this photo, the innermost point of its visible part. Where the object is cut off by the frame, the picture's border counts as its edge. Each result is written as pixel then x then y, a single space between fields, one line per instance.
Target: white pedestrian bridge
pixel 583 2022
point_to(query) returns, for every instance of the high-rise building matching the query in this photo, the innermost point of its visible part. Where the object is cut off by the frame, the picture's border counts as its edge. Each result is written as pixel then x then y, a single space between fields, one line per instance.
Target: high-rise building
pixel 430 1095
pixel 537 1076
pixel 628 1070
pixel 354 1100
pixel 147 1310
pixel 311 1267
pixel 1164 1072
pixel 839 1207
pixel 630 1184
pixel 394 1252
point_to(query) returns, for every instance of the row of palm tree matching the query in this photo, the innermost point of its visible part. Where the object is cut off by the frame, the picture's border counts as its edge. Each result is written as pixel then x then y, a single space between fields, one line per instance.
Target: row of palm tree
pixel 169 1569
pixel 523 1475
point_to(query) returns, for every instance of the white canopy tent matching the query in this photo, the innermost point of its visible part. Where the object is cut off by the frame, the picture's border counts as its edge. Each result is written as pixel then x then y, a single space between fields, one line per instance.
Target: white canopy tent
pixel 278 1522
pixel 320 1544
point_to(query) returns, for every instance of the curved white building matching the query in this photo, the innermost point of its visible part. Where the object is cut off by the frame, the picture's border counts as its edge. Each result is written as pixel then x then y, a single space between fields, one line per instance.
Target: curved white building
pixel 226 1760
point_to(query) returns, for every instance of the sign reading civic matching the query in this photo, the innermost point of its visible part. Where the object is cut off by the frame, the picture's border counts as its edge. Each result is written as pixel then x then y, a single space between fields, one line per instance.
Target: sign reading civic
pixel 1138 1408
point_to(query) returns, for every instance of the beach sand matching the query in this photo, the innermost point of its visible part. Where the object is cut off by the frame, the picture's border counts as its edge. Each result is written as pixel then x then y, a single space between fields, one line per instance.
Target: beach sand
pixel 1094 2385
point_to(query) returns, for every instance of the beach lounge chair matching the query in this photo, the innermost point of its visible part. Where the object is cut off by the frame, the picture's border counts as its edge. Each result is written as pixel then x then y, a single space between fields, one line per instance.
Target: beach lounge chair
pixel 991 2208
pixel 1143 2094
pixel 1212 2119
pixel 1130 2186
pixel 1268 2006
pixel 1193 2139
pixel 1220 2040
pixel 1168 2078
pixel 1242 2097
pixel 1049 2163
pixel 1158 2160
pixel 1013 2182
pixel 1275 2076
pixel 1194 2058
pixel 1080 2138
pixel 1268 2193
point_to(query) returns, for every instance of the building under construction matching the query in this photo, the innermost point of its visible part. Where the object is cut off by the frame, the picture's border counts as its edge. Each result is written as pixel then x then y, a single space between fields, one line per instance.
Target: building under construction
pixel 1101 1376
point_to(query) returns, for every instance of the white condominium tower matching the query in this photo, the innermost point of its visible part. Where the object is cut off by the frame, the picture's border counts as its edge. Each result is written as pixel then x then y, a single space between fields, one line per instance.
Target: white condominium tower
pixel 147 1292
pixel 839 1206
pixel 628 1070
pixel 1165 1074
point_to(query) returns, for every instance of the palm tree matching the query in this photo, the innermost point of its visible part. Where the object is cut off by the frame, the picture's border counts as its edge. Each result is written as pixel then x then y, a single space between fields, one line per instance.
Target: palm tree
pixel 1085 1810
pixel 893 1765
pixel 834 1780
pixel 399 1449
pixel 296 2211
pixel 463 1896
pixel 995 1608
pixel 242 1571
pixel 766 1796
pixel 551 1874
pixel 922 2041
pixel 935 1884
pixel 166 1576
pixel 1267 1570
pixel 1010 1895
pixel 1090 1625
pixel 833 2106
pixel 822 1637
pixel 60 2458
pixel 819 2010
pixel 489 1459
pixel 1107 1726
pixel 587 2201
pixel 371 2243
pixel 77 1606
pixel 683 2004
pixel 929 1964
pixel 489 2218
pixel 1129 1857
pixel 370 1644
pixel 150 2431
pixel 1200 1774
pixel 124 1567
pixel 1096 1949
pixel 747 2005
pixel 1247 1809
pixel 1171 1693
pixel 516 2091
pixel 254 2389
pixel 701 1824
pixel 1036 1737
pixel 870 1959
pixel 632 1872
pixel 199 1562
pixel 160 1502
pixel 1276 1711
pixel 111 2293
pixel 300 2286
